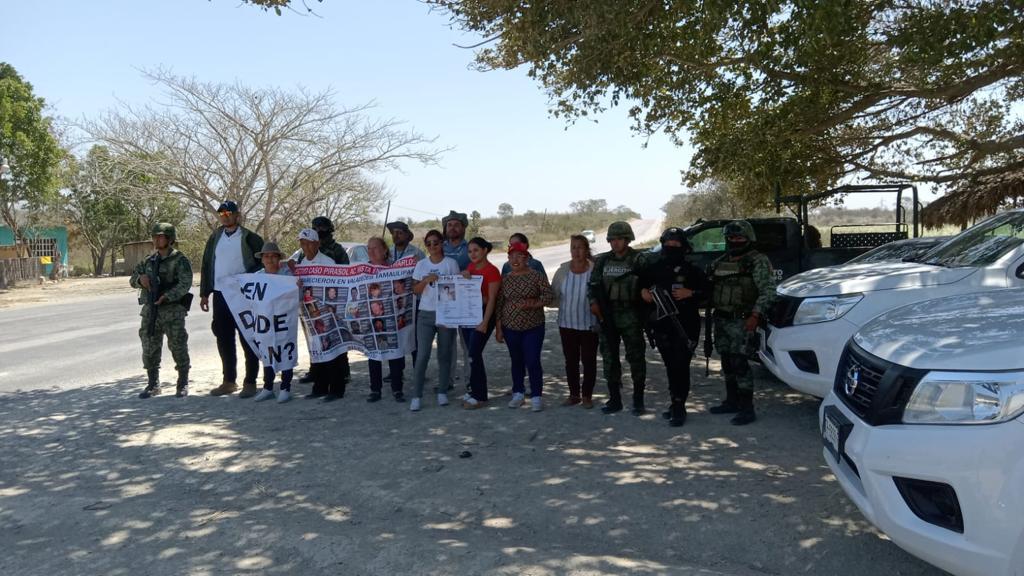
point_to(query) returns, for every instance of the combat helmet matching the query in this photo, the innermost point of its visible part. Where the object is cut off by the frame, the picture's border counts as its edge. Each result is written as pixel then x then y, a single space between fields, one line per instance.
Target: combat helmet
pixel 740 228
pixel 677 234
pixel 165 229
pixel 620 230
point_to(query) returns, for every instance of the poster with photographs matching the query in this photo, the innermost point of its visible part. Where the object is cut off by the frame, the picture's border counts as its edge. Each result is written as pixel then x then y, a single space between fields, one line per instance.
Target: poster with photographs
pixel 358 307
pixel 459 302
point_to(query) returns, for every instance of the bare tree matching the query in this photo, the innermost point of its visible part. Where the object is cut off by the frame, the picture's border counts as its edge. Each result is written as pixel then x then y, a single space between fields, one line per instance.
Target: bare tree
pixel 279 154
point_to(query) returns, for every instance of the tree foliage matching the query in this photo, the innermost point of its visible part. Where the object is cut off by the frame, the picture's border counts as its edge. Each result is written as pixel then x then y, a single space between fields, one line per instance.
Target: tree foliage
pixel 800 93
pixel 284 156
pixel 29 146
pixel 711 200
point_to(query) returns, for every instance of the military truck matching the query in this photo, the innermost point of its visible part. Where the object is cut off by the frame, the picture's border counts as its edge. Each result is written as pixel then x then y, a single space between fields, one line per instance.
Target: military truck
pixel 794 245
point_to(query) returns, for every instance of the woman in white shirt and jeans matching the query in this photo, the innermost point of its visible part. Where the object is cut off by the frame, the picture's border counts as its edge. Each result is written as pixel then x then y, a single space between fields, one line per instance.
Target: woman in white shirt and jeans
pixel 425 286
pixel 577 326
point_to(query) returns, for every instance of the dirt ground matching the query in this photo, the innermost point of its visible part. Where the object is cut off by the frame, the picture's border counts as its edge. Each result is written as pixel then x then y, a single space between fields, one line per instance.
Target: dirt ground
pixel 96 481
pixel 62 291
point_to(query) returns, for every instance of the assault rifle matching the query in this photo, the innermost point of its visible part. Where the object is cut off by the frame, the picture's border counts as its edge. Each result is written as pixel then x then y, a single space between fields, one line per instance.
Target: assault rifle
pixel 665 307
pixel 153 293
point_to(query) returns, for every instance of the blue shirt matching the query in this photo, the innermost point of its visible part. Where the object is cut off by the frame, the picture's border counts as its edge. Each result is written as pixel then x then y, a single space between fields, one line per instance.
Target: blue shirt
pixel 409 250
pixel 533 263
pixel 458 252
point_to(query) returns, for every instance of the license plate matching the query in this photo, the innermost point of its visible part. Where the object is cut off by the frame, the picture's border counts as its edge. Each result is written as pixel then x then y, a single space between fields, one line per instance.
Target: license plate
pixel 835 429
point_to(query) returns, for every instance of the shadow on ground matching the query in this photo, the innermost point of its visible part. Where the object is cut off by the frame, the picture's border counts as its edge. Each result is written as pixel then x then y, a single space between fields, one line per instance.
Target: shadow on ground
pixel 96 481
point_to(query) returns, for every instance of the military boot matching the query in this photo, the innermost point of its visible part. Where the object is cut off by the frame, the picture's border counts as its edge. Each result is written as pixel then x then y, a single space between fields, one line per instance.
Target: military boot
pixel 614 403
pixel 225 388
pixel 638 402
pixel 746 413
pixel 731 403
pixel 181 390
pixel 152 383
pixel 677 414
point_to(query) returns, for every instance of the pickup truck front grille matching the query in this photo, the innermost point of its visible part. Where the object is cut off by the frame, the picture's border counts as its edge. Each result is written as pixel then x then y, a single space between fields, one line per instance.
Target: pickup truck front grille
pixel 875 390
pixel 783 310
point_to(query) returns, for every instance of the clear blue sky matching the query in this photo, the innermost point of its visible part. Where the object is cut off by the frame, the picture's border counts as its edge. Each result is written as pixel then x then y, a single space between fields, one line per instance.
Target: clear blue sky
pixel 83 57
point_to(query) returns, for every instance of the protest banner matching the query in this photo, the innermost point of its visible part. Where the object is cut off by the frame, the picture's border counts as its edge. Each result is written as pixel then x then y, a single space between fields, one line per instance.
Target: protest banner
pixel 359 307
pixel 266 309
pixel 459 302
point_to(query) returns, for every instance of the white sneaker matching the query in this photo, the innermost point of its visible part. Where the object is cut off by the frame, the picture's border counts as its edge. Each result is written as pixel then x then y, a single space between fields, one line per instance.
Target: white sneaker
pixel 536 404
pixel 284 396
pixel 466 397
pixel 264 395
pixel 517 400
pixel 414 405
pixel 442 399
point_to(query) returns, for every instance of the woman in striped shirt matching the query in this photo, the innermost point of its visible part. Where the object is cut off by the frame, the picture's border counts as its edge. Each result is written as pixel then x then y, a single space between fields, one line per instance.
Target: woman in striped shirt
pixel 577 326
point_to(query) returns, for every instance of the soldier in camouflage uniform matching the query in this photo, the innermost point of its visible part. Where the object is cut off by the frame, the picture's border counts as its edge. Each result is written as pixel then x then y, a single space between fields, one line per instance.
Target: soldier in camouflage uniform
pixel 164 280
pixel 615 300
pixel 743 287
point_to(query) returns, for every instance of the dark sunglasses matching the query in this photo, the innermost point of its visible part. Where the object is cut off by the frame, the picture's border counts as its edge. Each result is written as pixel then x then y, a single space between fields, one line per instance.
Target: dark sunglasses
pixel 432 243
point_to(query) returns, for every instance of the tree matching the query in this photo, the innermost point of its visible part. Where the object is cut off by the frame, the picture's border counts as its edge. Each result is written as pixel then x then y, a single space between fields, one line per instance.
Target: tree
pixel 711 200
pixel 505 212
pixel 798 93
pixel 278 5
pixel 593 206
pixel 474 224
pixel 28 145
pixel 283 156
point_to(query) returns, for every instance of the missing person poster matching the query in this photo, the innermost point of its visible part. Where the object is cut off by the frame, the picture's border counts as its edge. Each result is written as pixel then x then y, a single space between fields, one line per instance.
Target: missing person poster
pixel 459 302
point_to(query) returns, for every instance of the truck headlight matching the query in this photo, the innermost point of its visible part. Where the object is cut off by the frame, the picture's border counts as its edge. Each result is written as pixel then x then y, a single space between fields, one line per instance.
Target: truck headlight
pixel 824 309
pixel 966 398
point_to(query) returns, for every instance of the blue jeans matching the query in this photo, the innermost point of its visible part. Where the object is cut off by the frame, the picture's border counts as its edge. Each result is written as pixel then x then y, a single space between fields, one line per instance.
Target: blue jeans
pixel 475 342
pixel 426 329
pixel 524 348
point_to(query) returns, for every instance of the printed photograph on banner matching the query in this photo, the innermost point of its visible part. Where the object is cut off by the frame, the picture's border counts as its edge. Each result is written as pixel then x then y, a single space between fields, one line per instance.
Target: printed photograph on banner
pixel 400 287
pixel 402 302
pixel 387 324
pixel 380 308
pixel 346 336
pixel 359 327
pixel 333 295
pixel 356 310
pixel 330 340
pixel 354 294
pixel 446 291
pixel 324 324
pixel 370 343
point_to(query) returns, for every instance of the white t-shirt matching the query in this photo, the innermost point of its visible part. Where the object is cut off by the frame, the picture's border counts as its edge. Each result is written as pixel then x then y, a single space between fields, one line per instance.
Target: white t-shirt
pixel 227 259
pixel 319 259
pixel 424 268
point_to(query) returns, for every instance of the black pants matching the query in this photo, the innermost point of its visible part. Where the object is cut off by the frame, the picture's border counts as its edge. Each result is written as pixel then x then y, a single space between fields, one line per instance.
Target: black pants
pixel 268 378
pixel 676 354
pixel 395 367
pixel 331 377
pixel 224 329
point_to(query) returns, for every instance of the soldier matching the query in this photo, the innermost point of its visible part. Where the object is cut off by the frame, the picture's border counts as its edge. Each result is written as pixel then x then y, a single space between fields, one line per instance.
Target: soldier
pixel 164 280
pixel 328 245
pixel 743 288
pixel 676 288
pixel 615 300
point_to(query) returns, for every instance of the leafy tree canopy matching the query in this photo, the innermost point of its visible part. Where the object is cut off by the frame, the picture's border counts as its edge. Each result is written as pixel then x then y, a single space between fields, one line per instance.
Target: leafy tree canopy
pixel 800 93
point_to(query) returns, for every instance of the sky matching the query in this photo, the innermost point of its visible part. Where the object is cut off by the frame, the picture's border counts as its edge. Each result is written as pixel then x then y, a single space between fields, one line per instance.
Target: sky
pixel 84 57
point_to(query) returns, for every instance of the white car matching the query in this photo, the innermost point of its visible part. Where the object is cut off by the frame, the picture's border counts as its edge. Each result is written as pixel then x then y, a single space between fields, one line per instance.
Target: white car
pixel 819 310
pixel 589 235
pixel 923 430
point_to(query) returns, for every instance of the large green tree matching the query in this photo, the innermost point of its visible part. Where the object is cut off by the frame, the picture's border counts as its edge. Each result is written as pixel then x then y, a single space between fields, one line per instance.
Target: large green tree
pixel 799 93
pixel 29 147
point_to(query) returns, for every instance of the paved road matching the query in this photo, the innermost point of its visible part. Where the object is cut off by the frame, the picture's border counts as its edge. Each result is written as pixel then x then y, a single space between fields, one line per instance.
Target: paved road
pixel 82 342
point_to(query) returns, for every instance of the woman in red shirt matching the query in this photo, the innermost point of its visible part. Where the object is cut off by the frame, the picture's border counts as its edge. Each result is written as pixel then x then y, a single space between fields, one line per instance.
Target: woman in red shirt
pixel 476 337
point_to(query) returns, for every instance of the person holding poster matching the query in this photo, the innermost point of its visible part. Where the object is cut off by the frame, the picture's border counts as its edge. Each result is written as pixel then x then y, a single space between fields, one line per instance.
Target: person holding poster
pixel 329 378
pixel 476 337
pixel 378 253
pixel 425 278
pixel 524 294
pixel 271 257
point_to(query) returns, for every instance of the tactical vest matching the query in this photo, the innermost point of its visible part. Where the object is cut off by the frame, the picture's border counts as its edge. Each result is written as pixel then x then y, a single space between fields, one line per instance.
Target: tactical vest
pixel 620 285
pixel 734 287
pixel 168 273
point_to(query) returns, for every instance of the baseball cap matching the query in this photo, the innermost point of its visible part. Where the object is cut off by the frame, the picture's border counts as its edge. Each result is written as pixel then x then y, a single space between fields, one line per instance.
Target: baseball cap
pixel 309 234
pixel 228 206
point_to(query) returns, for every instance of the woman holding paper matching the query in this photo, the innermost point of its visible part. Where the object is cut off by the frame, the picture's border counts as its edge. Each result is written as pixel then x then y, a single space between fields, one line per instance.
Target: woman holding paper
pixel 524 294
pixel 377 251
pixel 476 337
pixel 425 276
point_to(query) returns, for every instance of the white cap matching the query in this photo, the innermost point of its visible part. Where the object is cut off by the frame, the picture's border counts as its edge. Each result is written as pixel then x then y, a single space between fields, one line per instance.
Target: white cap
pixel 309 234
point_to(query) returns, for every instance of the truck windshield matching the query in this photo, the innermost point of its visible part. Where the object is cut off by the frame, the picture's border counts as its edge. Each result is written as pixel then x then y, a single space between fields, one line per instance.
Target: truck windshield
pixel 981 245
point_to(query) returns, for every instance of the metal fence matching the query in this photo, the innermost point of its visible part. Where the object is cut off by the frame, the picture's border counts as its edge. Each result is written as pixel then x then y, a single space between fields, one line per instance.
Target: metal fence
pixel 14 270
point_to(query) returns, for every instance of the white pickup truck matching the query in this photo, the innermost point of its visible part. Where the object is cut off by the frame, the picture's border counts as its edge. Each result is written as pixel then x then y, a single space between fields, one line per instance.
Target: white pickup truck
pixel 924 429
pixel 819 310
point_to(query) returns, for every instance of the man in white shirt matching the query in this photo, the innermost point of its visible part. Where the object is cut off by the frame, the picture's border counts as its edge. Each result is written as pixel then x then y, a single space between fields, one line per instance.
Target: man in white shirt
pixel 329 378
pixel 230 250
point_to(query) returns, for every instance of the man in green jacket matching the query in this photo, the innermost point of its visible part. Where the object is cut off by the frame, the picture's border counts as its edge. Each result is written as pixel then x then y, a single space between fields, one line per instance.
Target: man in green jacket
pixel 163 280
pixel 230 250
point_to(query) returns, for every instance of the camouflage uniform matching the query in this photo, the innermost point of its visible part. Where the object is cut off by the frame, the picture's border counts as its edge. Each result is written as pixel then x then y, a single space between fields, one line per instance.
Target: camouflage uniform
pixel 613 287
pixel 175 275
pixel 742 285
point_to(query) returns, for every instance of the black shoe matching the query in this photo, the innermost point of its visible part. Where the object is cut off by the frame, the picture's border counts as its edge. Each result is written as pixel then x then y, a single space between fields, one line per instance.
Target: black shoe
pixel 314 395
pixel 399 397
pixel 677 416
pixel 149 391
pixel 373 397
pixel 331 398
pixel 638 408
pixel 667 414
pixel 743 418
pixel 181 391
pixel 725 408
pixel 306 378
pixel 610 408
